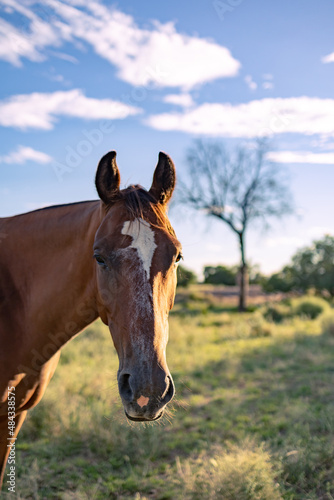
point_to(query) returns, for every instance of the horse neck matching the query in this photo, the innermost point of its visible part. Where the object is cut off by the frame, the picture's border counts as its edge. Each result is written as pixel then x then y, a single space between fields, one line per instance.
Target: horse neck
pixel 49 256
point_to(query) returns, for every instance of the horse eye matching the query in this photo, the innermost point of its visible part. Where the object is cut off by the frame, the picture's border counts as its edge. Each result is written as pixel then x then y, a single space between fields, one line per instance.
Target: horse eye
pixel 179 257
pixel 99 260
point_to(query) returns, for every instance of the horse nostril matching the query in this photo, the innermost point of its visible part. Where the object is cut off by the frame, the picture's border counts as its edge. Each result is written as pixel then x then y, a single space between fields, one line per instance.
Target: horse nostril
pixel 170 391
pixel 125 387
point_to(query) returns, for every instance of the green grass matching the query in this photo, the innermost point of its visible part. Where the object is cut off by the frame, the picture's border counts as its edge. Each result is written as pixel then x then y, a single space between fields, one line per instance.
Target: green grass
pixel 253 416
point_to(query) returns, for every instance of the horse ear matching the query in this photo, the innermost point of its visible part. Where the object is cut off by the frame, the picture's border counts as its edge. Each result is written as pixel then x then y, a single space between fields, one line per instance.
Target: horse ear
pixel 107 178
pixel 164 179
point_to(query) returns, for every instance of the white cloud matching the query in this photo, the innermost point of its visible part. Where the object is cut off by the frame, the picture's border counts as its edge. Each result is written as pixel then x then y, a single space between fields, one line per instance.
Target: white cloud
pixel 302 157
pixel 16 43
pixel 302 115
pixel 66 57
pixel 319 231
pixel 328 59
pixel 284 241
pixel 24 154
pixel 183 100
pixel 250 82
pixel 160 55
pixel 39 110
pixel 295 242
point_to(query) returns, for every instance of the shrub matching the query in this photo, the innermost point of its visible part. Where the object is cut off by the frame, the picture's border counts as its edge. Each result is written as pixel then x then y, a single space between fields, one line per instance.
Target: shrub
pixel 185 277
pixel 277 313
pixel 278 282
pixel 310 307
pixel 259 327
pixel 220 275
pixel 327 323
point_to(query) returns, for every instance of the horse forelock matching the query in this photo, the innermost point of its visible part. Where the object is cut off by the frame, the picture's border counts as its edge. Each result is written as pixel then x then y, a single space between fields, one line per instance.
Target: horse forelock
pixel 139 203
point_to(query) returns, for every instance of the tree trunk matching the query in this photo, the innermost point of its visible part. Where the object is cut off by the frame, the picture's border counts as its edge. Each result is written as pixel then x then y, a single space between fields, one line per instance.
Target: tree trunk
pixel 243 287
pixel 243 276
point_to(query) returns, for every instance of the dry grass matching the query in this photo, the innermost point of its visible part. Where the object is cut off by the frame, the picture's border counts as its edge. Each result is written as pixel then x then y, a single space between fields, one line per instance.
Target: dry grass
pixel 253 416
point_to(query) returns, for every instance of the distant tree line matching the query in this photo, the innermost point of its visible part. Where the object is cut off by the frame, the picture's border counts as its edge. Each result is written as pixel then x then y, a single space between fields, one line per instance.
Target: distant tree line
pixel 185 277
pixel 311 267
pixel 217 275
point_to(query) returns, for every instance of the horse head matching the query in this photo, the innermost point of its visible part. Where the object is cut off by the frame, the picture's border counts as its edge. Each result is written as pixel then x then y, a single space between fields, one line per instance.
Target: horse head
pixel 136 253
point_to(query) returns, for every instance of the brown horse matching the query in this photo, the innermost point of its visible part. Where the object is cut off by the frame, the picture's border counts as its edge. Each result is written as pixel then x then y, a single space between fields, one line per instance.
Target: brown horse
pixel 115 258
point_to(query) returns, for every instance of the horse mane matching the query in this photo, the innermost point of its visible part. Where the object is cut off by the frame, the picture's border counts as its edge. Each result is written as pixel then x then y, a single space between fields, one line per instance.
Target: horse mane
pixel 139 202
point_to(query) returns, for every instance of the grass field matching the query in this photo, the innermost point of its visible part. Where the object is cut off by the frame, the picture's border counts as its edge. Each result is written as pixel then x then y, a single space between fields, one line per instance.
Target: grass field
pixel 253 416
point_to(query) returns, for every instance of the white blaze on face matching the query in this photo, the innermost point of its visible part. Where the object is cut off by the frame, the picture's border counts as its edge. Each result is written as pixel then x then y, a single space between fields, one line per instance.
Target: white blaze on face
pixel 142 240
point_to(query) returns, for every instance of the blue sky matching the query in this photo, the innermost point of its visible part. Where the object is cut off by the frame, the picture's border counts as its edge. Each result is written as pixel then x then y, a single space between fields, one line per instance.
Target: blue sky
pixel 79 78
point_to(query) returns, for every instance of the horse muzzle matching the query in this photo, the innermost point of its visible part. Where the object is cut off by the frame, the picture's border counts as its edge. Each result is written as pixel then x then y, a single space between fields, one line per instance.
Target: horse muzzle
pixel 145 402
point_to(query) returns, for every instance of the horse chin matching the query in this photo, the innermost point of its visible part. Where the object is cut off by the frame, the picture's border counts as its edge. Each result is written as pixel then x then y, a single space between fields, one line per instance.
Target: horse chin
pixel 143 419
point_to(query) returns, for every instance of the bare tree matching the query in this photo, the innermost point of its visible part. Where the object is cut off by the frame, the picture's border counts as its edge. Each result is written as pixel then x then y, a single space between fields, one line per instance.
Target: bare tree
pixel 237 189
